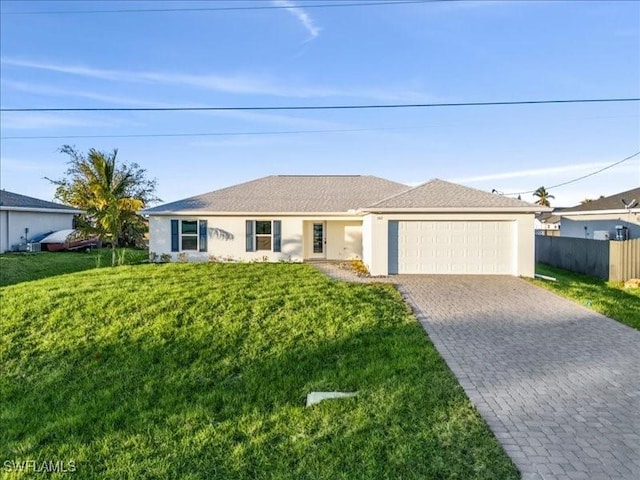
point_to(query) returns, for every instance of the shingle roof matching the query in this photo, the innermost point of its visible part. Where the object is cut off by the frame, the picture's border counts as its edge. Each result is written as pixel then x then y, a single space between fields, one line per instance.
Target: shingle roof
pixel 549 217
pixel 440 194
pixel 289 194
pixel 10 199
pixel 613 202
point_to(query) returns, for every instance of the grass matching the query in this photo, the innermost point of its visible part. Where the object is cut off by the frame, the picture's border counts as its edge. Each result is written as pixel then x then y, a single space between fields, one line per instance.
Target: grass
pixel 609 298
pixel 200 371
pixel 24 267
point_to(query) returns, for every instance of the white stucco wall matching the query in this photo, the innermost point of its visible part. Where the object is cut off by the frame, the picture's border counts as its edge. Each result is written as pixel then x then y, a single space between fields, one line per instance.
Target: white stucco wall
pixel 4 237
pixel 13 224
pixel 367 240
pixel 346 239
pixel 583 226
pixel 376 245
pixel 343 239
pixel 365 237
pixel 226 238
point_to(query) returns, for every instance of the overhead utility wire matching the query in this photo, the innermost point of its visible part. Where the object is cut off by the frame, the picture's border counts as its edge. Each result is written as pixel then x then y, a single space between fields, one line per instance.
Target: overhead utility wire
pixel 222 9
pixel 320 107
pixel 216 134
pixel 582 177
pixel 231 134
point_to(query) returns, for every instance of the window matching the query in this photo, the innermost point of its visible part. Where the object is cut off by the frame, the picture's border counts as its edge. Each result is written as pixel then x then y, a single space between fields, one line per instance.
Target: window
pixel 189 237
pixel 263 235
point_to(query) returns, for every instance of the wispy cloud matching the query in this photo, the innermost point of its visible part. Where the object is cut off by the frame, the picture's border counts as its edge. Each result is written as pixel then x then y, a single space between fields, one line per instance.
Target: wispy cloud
pixel 30 121
pixel 49 91
pixel 617 179
pixel 223 83
pixel 50 121
pixel 304 18
pixel 237 84
pixel 538 172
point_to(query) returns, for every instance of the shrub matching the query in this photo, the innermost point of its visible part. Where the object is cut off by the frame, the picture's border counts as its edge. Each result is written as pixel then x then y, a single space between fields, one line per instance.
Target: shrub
pixel 357 266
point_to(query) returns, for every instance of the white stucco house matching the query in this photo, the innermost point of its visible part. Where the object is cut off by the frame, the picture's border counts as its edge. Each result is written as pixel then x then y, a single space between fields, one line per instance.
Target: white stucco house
pixel 548 223
pixel 607 218
pixel 436 228
pixel 23 218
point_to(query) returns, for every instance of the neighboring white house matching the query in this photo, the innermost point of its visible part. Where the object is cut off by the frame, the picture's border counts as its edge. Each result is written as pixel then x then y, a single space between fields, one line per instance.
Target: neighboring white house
pixel 548 223
pixel 605 218
pixel 22 218
pixel 437 227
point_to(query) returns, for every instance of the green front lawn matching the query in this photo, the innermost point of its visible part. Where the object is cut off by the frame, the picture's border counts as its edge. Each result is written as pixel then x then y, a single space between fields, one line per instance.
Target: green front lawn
pixel 23 267
pixel 609 298
pixel 201 372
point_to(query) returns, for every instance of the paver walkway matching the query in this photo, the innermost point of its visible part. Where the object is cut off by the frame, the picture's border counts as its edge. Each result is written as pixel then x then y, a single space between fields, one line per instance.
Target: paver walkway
pixel 558 384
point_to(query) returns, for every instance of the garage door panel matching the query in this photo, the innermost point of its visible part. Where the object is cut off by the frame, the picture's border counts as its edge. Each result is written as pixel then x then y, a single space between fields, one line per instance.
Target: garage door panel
pixel 454 247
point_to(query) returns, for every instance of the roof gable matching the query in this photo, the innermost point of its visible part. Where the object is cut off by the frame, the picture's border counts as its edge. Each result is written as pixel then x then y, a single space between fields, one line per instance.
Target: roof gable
pixel 612 202
pixel 10 200
pixel 290 194
pixel 438 193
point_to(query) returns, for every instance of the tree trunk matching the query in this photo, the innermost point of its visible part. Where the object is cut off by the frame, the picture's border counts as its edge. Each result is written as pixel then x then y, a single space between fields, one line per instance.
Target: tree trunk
pixel 113 254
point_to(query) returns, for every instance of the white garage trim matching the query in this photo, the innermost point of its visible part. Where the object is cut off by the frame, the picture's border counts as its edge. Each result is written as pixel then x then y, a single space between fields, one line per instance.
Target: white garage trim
pixel 482 247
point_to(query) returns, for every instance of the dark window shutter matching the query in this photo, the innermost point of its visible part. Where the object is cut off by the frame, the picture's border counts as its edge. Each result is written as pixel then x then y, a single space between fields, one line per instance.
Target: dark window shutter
pixel 203 235
pixel 277 227
pixel 175 239
pixel 249 232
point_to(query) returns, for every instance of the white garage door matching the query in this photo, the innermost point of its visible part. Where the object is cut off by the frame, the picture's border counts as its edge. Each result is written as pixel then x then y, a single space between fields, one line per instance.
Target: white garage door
pixel 459 247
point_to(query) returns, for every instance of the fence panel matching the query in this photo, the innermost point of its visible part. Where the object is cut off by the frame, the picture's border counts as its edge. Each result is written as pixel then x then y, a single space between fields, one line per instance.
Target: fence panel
pixel 580 255
pixel 624 260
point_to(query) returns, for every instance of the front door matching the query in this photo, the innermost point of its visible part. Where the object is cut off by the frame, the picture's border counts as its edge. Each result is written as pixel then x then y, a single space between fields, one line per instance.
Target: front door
pixel 319 241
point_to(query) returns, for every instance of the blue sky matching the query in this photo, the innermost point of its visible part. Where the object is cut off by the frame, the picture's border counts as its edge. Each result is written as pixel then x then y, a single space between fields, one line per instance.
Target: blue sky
pixel 410 53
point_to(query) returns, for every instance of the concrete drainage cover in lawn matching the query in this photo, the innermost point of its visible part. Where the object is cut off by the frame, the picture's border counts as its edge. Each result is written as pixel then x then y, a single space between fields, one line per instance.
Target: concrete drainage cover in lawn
pixel 317 397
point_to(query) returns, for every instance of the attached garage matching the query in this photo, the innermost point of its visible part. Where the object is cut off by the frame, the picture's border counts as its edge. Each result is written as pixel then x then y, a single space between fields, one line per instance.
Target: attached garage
pixel 451 247
pixel 448 229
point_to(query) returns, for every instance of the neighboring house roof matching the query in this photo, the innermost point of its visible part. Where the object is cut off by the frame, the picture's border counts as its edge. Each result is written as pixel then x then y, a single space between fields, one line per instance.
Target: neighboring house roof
pixel 613 202
pixel 550 220
pixel 441 195
pixel 15 201
pixel 549 217
pixel 290 194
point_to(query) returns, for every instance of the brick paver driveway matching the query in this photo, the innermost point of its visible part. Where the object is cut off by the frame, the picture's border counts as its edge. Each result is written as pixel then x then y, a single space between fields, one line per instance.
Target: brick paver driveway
pixel 558 384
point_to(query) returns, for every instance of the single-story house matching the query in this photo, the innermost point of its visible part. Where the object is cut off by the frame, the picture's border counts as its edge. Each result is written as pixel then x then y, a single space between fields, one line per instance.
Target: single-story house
pixel 22 218
pixel 437 227
pixel 548 223
pixel 604 218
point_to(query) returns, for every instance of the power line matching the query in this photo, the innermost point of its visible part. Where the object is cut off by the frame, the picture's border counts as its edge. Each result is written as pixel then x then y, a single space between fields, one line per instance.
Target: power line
pixel 322 107
pixel 582 177
pixel 223 9
pixel 213 134
pixel 231 134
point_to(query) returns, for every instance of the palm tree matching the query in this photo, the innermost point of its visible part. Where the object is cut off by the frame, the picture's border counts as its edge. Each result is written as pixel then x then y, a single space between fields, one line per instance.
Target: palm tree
pixel 543 197
pixel 110 205
pixel 109 193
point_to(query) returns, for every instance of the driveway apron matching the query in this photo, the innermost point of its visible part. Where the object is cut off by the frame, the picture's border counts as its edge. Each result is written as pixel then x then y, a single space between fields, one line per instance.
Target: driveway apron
pixel 558 384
